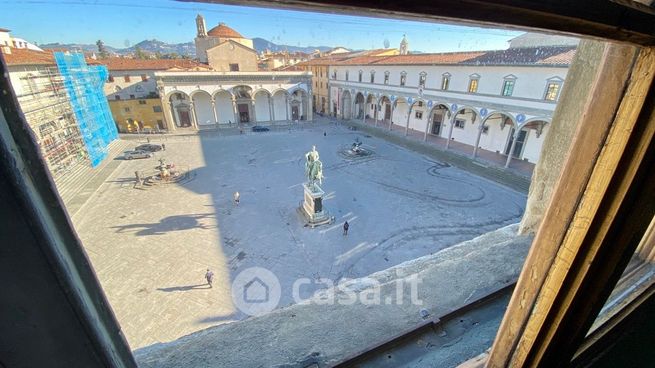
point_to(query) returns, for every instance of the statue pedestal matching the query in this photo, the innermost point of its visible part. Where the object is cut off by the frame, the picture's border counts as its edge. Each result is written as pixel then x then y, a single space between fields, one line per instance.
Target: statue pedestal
pixel 312 206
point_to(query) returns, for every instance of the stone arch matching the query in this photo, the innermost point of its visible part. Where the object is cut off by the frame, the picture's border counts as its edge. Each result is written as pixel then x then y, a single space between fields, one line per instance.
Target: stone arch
pixel 243 101
pixel 385 107
pixel 492 134
pixel 438 117
pixel 416 117
pixel 263 105
pixel 202 107
pixel 299 104
pixel 400 111
pixel 346 105
pixel 180 104
pixel 224 107
pixel 360 101
pixel 536 130
pixel 371 106
pixel 280 104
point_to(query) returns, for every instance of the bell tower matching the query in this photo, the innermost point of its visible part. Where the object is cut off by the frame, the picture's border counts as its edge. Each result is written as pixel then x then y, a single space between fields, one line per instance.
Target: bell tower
pixel 403 46
pixel 200 25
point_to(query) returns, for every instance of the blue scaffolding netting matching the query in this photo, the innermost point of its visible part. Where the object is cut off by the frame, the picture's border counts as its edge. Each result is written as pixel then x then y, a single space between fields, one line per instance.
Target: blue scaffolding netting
pixel 84 85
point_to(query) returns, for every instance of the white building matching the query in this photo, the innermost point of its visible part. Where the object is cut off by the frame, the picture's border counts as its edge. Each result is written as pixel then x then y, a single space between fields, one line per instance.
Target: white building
pixel 500 101
pixel 200 100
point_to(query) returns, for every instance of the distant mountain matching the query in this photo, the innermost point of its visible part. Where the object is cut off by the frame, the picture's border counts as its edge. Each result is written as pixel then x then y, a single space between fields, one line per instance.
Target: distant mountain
pixel 154 46
pixel 187 48
pixel 261 44
pixel 76 47
pixel 151 46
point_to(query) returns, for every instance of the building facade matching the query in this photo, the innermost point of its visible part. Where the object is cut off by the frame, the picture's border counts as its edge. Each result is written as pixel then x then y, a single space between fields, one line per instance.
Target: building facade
pixel 223 48
pixel 132 92
pixel 200 100
pixel 319 67
pixel 58 94
pixel 499 101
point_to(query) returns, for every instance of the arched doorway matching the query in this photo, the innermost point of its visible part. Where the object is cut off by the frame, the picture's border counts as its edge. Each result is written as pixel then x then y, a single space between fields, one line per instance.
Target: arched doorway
pixel 202 106
pixel 437 119
pixel 359 105
pixel 243 101
pixel 371 107
pixel 384 113
pixel 346 105
pixel 224 108
pixel 298 105
pixel 536 131
pixel 181 110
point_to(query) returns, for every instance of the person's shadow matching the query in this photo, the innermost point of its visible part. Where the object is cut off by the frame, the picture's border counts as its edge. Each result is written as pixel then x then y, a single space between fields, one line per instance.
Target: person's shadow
pixel 184 288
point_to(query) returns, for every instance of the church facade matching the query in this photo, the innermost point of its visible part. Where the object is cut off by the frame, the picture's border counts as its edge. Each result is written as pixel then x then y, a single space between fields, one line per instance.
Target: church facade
pixel 230 89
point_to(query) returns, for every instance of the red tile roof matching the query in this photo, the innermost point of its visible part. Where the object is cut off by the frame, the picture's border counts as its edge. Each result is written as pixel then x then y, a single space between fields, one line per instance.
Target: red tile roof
pixel 148 64
pixel 28 57
pixel 564 58
pixel 223 31
pixel 423 59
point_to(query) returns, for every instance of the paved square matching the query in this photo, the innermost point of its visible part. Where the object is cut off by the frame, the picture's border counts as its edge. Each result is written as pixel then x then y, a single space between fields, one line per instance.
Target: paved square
pixel 151 247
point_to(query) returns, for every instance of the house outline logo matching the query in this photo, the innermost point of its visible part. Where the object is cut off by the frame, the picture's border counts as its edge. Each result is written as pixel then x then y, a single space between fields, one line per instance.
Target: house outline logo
pixel 256 291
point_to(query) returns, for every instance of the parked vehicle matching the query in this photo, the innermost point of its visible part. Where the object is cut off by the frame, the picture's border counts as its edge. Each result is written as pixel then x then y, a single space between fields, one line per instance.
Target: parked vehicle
pixel 149 147
pixel 130 155
pixel 259 128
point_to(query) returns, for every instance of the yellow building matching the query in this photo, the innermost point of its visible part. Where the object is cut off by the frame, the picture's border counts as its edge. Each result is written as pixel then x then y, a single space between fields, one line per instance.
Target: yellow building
pixel 131 116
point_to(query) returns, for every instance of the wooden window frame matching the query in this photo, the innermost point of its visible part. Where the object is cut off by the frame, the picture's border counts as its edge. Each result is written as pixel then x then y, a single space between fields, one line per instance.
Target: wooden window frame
pixel 589 232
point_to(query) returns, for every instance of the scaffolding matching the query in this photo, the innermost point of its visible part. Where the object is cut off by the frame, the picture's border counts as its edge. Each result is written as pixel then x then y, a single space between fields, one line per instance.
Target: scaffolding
pixel 46 107
pixel 84 84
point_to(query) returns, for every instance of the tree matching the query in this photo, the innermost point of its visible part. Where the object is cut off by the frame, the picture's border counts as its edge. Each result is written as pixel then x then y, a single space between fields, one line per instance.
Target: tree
pixel 102 50
pixel 138 53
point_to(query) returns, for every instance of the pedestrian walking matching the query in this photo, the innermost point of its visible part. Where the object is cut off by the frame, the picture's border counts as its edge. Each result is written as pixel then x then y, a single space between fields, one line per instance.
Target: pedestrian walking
pixel 138 181
pixel 345 228
pixel 163 146
pixel 210 277
pixel 237 198
pixel 148 139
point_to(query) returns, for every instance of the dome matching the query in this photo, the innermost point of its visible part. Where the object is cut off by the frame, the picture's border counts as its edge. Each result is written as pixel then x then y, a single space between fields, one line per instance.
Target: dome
pixel 223 31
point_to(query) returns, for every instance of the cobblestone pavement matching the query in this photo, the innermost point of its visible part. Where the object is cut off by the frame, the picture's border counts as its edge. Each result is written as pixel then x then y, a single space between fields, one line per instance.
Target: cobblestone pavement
pixel 151 246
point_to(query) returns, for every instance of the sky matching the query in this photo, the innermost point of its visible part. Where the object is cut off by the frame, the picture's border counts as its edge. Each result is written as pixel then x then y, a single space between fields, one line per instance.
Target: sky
pixel 122 23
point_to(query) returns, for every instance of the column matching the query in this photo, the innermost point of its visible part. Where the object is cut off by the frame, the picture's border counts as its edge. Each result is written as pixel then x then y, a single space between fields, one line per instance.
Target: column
pixel 393 108
pixel 427 128
pixel 168 116
pixel 477 139
pixel 214 111
pixel 375 115
pixel 235 111
pixel 309 115
pixel 409 115
pixel 511 150
pixel 288 100
pixel 271 110
pixel 253 110
pixel 194 119
pixel 450 131
pixel 364 108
